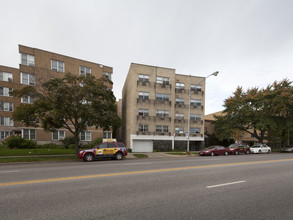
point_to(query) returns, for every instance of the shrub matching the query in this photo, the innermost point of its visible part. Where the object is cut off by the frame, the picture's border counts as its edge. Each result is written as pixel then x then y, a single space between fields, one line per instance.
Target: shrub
pixel 49 145
pixel 95 142
pixel 68 141
pixel 19 143
pixel 129 150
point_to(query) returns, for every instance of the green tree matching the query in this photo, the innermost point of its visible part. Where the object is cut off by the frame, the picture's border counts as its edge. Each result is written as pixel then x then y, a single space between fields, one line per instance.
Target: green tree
pixel 264 113
pixel 73 103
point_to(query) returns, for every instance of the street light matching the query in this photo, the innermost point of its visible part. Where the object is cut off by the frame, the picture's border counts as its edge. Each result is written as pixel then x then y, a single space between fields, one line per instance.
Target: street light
pixel 189 94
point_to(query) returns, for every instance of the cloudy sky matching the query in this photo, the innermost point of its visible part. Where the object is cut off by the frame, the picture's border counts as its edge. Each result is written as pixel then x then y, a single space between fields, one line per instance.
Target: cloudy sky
pixel 250 42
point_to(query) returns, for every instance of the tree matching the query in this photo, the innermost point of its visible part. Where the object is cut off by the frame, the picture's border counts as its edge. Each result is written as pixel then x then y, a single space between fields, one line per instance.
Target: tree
pixel 73 103
pixel 263 113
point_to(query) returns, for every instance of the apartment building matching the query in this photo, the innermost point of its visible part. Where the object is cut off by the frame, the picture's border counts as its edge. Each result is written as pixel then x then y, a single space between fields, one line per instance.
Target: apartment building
pixel 238 136
pixel 37 66
pixel 155 109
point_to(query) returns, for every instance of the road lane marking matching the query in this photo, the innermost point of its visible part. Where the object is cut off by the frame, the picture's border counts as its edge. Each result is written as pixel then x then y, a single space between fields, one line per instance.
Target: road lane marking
pixel 9 171
pixel 226 184
pixel 139 172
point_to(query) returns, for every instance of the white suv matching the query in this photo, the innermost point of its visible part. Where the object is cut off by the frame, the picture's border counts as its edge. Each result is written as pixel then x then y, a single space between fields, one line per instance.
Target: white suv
pixel 260 148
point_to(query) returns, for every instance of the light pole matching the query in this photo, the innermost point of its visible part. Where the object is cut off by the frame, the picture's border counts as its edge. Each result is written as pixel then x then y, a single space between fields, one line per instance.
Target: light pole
pixel 189 95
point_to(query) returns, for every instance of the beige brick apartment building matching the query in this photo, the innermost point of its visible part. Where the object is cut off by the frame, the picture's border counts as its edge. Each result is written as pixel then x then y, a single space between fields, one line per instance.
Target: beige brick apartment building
pixel 37 66
pixel 155 103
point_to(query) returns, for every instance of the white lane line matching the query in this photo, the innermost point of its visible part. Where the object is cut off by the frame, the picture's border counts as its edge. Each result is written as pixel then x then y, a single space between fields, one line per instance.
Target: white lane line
pixel 226 184
pixel 9 171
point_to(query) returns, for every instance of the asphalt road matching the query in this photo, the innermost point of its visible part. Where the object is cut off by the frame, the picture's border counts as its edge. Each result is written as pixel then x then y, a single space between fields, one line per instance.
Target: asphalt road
pixel 221 187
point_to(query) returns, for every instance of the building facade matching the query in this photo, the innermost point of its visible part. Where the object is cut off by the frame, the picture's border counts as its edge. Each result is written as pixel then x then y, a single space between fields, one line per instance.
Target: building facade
pixel 155 109
pixel 36 67
pixel 237 136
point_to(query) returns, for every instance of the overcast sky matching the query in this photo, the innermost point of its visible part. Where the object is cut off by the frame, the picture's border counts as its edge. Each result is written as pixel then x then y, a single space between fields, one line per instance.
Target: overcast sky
pixel 250 42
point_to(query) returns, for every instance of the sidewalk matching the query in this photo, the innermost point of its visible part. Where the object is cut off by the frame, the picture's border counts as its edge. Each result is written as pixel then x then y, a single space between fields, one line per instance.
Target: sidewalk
pixel 157 155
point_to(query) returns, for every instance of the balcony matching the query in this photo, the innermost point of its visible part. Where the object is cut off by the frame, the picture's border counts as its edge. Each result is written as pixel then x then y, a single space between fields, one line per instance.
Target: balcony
pixel 196 121
pixel 162 133
pixel 162 118
pixel 180 90
pixel 180 120
pixel 144 100
pixel 162 102
pixel 163 85
pixel 143 83
pixel 143 117
pixel 180 105
pixel 143 133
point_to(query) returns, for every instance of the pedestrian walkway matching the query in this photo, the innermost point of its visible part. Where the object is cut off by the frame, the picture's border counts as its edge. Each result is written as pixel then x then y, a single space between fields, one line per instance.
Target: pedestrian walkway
pixel 157 155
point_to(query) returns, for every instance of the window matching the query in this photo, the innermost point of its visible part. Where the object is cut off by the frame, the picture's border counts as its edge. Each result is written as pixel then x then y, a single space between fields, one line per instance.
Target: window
pixel 194 130
pixel 27 79
pixel 143 78
pixel 108 75
pixel 179 85
pixel 195 102
pixel 6 121
pixel 58 135
pixel 195 117
pixel 5 91
pixel 84 70
pixel 180 101
pixel 163 80
pixel 6 106
pixel 162 113
pixel 143 128
pixel 6 77
pixel 143 112
pixel 5 134
pixel 28 60
pixel 195 88
pixel 143 95
pixel 85 136
pixel 107 135
pixel 162 97
pixel 29 134
pixel 27 99
pixel 57 65
pixel 179 116
pixel 179 130
pixel 161 128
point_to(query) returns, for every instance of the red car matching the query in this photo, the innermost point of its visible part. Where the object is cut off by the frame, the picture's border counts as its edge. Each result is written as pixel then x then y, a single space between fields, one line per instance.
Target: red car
pixel 104 150
pixel 239 148
pixel 214 150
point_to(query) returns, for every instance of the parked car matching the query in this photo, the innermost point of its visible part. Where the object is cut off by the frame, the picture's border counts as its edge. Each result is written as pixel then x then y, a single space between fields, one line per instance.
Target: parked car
pixel 104 150
pixel 260 148
pixel 287 149
pixel 214 150
pixel 239 148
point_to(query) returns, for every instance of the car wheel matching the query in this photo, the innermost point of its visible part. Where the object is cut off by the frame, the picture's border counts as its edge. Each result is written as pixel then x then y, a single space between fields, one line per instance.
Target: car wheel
pixel 259 151
pixel 212 154
pixel 119 156
pixel 269 151
pixel 236 152
pixel 88 157
pixel 247 152
pixel 226 153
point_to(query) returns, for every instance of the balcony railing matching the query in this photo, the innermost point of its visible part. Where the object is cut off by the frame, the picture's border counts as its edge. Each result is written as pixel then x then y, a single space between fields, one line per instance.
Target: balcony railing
pixel 161 118
pixel 162 102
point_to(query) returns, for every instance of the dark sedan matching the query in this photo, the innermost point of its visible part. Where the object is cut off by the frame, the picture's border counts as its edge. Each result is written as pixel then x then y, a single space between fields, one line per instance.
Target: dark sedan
pixel 214 150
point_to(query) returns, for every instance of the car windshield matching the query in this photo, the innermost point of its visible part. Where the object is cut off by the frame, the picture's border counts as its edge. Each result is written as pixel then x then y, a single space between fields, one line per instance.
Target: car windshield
pixel 233 146
pixel 255 146
pixel 211 147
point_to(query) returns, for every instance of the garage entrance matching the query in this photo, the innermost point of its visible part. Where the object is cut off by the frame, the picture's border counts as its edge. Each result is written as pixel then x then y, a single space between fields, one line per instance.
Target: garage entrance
pixel 140 146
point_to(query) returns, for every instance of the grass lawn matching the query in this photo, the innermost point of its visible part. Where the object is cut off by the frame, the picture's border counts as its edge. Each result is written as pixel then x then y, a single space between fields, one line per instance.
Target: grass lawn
pixel 39 151
pixel 37 159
